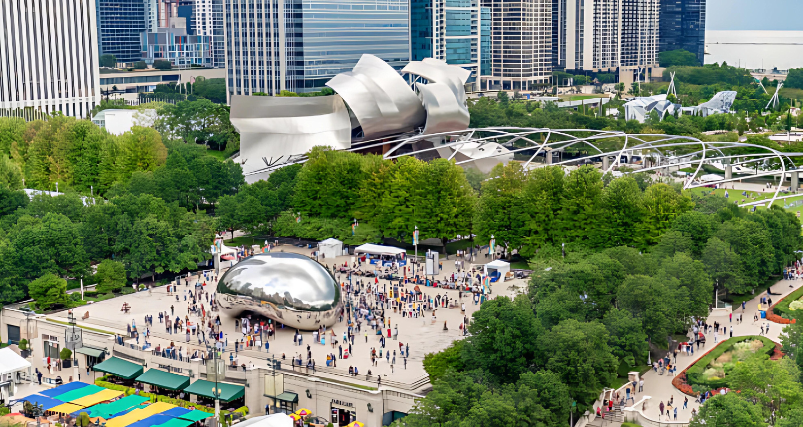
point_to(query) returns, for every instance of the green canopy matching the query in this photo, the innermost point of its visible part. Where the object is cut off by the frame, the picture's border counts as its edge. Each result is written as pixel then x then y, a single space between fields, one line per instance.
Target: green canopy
pixel 228 392
pixel 164 379
pixel 196 415
pixel 119 367
pixel 106 410
pixel 90 351
pixel 288 397
pixel 176 422
pixel 80 392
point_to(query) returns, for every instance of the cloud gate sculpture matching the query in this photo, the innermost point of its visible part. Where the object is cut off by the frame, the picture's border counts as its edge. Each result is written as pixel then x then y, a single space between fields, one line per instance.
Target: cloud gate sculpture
pixel 289 288
pixel 372 101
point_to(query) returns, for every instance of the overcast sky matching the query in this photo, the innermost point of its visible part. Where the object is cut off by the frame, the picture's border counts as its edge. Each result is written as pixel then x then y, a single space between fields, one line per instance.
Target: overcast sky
pixel 755 15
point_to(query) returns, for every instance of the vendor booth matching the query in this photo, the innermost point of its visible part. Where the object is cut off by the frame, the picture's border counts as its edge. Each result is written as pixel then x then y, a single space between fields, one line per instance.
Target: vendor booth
pixel 223 254
pixel 383 256
pixel 330 248
pixel 497 270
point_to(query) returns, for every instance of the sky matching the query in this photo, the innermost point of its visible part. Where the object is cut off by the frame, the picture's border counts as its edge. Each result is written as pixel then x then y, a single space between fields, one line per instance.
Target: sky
pixel 755 15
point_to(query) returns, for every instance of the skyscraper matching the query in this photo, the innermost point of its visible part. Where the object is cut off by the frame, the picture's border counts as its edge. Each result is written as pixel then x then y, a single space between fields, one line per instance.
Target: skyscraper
pixel 608 36
pixel 120 25
pixel 520 44
pixel 49 56
pixel 209 22
pixel 298 45
pixel 683 26
pixel 450 31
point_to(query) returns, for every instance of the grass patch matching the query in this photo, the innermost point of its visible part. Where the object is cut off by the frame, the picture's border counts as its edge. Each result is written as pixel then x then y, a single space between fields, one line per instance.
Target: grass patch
pixel 789 92
pixel 245 240
pixel 220 155
pixel 77 326
pixel 362 387
pixel 631 425
pixel 782 308
pixel 453 247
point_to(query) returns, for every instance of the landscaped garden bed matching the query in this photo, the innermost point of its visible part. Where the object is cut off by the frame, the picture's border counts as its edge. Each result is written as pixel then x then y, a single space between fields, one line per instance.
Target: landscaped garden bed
pixel 783 311
pixel 710 371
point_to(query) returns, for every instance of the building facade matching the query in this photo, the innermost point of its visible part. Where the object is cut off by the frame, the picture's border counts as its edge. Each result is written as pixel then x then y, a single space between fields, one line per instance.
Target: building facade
pixel 209 22
pixel 298 45
pixel 520 44
pixel 49 56
pixel 683 26
pixel 607 35
pixel 120 24
pixel 178 47
pixel 451 31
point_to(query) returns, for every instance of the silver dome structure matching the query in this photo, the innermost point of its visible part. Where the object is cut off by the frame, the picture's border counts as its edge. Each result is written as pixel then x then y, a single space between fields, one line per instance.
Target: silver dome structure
pixel 289 288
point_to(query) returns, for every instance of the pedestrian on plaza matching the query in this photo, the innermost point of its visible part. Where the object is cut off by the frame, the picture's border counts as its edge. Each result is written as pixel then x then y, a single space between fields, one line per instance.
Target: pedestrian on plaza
pixel 686 402
pixel 676 414
pixel 661 408
pixel 730 317
pixel 641 385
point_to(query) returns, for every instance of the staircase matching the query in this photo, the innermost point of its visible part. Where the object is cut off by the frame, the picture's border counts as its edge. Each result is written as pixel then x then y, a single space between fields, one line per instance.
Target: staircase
pixel 614 418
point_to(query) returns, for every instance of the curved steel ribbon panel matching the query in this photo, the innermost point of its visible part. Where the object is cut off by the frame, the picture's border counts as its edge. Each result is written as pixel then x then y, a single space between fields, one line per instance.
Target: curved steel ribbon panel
pixel 379 97
pixel 278 127
pixel 437 71
pixel 286 287
pixel 444 112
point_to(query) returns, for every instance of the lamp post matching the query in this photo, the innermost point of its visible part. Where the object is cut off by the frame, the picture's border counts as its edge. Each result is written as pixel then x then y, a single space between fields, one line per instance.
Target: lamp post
pixel 215 372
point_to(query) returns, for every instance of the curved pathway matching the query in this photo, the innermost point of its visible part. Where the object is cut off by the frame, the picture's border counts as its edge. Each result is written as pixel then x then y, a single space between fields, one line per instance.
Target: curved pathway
pixel 660 387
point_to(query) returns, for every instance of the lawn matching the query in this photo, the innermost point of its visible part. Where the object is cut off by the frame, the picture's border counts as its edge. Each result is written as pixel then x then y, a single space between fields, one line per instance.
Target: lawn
pixel 788 92
pixel 221 155
pixel 793 204
pixel 579 97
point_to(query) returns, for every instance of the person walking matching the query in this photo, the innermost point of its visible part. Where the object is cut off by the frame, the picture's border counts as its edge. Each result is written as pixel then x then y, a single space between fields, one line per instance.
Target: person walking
pixel 661 408
pixel 685 404
pixel 641 385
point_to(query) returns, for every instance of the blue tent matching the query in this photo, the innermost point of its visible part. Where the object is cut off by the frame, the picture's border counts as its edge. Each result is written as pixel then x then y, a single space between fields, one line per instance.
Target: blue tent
pixel 152 421
pixel 54 392
pixel 46 402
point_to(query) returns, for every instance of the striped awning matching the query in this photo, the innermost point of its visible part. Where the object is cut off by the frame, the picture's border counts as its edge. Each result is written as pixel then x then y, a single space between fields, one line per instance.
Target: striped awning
pixel 64 388
pixel 139 414
pixel 45 402
pixel 66 408
pixel 79 393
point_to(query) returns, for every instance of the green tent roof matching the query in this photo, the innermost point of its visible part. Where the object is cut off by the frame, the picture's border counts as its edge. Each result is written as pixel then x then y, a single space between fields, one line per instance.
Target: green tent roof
pixel 164 379
pixel 106 410
pixel 288 397
pixel 176 422
pixel 196 415
pixel 228 392
pixel 80 392
pixel 121 368
pixel 90 351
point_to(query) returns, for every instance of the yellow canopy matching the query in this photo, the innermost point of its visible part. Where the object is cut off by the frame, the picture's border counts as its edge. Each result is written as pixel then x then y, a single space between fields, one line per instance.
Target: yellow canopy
pixel 139 414
pixel 303 412
pixel 66 408
pixel 94 399
pixel 356 424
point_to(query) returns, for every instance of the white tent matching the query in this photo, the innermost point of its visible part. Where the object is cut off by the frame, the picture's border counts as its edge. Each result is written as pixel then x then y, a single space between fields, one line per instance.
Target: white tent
pixel 273 420
pixel 330 248
pixel 11 362
pixel 498 265
pixel 372 249
pixel 710 178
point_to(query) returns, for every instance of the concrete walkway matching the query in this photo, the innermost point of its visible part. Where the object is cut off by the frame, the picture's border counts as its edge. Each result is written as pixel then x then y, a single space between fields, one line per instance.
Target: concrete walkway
pixel 660 387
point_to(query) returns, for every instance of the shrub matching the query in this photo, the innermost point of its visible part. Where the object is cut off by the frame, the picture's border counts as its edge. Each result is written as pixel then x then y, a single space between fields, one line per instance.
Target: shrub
pixel 65 354
pixel 701 372
pixel 23 344
pixel 781 308
pixel 154 397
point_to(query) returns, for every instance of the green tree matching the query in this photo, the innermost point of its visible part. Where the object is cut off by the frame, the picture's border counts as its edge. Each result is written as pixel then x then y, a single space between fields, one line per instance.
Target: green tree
pixel 678 58
pixel 579 354
pixel 729 410
pixel 110 276
pixel 628 341
pixel 662 205
pixel 581 205
pixel 108 61
pixel 439 363
pixel 774 385
pixel 656 304
pixel 48 290
pixel 10 174
pixel 140 65
pixel 161 64
pixel 48 245
pixel 724 266
pixel 503 338
pixel 623 210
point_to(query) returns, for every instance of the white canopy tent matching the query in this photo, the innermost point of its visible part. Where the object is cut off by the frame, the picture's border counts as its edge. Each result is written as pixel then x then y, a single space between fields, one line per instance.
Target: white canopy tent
pixel 11 364
pixel 710 178
pixel 330 248
pixel 498 265
pixel 372 249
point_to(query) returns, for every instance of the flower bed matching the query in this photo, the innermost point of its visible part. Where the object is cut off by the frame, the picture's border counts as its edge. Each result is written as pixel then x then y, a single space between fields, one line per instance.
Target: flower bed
pixel 694 374
pixel 780 311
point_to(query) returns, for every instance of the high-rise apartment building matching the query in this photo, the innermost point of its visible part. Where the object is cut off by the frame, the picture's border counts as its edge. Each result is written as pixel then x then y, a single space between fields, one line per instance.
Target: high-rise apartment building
pixel 298 45
pixel 449 30
pixel 683 26
pixel 120 26
pixel 607 36
pixel 520 44
pixel 49 56
pixel 209 23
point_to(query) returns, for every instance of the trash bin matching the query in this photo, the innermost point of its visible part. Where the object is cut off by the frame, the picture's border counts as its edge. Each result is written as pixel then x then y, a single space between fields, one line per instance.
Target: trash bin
pixel 763 314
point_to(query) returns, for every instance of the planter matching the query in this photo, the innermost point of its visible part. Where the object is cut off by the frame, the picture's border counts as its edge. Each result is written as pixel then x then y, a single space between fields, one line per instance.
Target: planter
pixel 66 363
pixel 25 353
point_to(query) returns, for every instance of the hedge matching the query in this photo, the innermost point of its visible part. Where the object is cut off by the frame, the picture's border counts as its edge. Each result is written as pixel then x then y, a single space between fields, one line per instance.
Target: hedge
pixel 694 374
pixel 781 308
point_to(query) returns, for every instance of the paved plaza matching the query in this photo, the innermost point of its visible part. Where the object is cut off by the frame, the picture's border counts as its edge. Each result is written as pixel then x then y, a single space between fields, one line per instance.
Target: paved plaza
pixel 421 334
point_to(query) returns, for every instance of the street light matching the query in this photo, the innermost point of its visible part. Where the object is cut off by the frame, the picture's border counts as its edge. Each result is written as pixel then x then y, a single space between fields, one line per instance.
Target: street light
pixel 215 372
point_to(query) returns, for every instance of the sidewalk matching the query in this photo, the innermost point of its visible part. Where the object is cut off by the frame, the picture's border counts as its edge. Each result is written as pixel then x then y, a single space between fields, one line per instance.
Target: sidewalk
pixel 660 386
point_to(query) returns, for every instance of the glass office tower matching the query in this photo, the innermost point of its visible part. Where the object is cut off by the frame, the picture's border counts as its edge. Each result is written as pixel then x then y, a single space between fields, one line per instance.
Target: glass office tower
pixel 683 26
pixel 120 26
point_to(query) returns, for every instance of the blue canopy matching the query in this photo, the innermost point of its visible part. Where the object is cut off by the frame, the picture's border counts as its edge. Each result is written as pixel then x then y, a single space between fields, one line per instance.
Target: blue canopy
pixel 176 412
pixel 46 402
pixel 54 392
pixel 152 421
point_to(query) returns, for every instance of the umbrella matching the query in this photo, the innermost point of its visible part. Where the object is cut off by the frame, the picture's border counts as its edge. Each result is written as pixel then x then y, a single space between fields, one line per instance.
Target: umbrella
pixel 356 424
pixel 303 412
pixel 295 417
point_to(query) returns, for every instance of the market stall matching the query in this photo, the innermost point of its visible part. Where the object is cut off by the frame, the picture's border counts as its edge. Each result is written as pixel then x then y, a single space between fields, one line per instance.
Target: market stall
pixel 330 248
pixel 497 270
